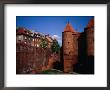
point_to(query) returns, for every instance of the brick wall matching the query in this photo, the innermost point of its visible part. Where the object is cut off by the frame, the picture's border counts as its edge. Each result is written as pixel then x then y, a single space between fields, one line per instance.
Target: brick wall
pixel 30 58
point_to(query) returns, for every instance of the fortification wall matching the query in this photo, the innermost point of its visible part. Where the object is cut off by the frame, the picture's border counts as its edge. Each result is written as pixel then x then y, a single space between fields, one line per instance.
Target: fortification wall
pixel 33 59
pixel 90 41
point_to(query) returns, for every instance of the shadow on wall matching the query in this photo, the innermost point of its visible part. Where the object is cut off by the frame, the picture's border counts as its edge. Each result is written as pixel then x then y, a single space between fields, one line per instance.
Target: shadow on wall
pixel 86 67
pixel 85 63
pixel 59 65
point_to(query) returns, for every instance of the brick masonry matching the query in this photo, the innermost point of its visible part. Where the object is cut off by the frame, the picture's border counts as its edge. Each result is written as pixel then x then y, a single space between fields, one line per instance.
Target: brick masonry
pixel 76 44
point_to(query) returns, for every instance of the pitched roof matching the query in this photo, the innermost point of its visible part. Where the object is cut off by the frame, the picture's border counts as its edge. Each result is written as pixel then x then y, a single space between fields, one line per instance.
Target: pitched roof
pixel 69 28
pixel 91 23
pixel 21 31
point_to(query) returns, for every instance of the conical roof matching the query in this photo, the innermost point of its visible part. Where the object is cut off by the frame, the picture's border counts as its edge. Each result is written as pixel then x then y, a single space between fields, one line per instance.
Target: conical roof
pixel 69 28
pixel 91 23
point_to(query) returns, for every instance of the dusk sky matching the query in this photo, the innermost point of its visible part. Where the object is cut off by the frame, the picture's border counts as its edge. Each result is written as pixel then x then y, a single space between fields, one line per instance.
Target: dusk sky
pixel 52 25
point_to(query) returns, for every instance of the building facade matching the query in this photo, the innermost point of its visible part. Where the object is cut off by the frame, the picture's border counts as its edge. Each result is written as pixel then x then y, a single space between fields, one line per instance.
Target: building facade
pixel 32 38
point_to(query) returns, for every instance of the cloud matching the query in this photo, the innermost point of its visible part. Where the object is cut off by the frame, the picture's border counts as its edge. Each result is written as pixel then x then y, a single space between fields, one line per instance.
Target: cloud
pixel 56 37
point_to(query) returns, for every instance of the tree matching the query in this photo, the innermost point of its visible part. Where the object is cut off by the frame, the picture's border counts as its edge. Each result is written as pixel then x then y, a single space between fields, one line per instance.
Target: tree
pixel 55 47
pixel 17 28
pixel 44 43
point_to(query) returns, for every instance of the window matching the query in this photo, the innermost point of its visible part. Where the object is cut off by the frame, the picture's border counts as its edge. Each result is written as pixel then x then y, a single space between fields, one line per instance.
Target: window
pixel 19 37
pixel 37 45
pixel 25 37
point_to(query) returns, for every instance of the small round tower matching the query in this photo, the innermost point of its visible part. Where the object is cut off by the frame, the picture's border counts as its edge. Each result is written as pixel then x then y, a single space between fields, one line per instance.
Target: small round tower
pixel 69 43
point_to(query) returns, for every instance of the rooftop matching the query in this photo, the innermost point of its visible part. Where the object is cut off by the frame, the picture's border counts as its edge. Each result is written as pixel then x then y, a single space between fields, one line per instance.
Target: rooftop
pixel 91 23
pixel 69 28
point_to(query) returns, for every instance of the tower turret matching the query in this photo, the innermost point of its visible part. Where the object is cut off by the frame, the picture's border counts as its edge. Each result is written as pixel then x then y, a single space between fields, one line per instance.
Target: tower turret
pixel 70 51
pixel 89 30
pixel 90 38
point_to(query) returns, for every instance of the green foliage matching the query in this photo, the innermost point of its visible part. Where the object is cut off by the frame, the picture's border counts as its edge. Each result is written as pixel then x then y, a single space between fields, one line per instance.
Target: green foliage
pixel 28 31
pixel 17 28
pixel 55 47
pixel 44 43
pixel 52 71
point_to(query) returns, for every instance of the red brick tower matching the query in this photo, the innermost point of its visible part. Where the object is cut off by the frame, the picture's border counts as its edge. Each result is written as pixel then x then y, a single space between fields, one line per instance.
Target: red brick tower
pixel 90 38
pixel 69 43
